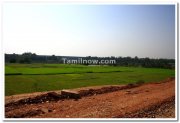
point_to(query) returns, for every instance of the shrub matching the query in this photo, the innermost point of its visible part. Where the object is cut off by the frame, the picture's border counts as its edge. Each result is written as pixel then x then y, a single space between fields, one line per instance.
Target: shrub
pixel 140 82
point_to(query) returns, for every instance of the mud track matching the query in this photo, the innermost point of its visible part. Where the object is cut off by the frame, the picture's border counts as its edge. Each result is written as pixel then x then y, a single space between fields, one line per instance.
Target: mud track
pixel 156 99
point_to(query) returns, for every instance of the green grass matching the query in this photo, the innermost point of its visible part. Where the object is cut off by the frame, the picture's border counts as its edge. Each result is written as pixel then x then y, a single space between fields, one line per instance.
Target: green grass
pixel 59 69
pixel 46 77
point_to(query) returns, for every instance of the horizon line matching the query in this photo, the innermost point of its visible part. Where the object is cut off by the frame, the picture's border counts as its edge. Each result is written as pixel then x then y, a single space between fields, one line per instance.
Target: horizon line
pixel 90 56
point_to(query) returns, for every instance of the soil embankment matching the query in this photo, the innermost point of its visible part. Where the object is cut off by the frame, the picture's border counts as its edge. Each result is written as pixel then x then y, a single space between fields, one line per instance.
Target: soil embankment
pixel 128 101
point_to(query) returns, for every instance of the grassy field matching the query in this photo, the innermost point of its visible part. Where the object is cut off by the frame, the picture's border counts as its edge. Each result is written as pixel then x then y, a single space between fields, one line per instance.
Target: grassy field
pixel 27 78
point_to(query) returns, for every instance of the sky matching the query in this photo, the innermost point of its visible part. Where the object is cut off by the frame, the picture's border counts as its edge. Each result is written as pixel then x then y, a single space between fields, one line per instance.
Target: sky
pixel 89 29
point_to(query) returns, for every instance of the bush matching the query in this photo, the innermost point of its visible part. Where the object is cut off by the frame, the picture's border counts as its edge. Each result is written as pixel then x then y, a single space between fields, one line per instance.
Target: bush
pixel 140 82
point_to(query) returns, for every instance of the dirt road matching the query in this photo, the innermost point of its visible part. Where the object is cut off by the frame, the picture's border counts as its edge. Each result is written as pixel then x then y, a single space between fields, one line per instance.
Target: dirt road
pixel 147 100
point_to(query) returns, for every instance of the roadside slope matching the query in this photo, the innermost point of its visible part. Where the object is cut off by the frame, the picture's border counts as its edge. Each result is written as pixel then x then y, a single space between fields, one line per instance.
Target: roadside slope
pixel 143 101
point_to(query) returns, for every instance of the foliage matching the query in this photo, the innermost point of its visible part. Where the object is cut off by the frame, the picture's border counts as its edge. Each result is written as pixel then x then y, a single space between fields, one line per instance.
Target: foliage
pixel 120 61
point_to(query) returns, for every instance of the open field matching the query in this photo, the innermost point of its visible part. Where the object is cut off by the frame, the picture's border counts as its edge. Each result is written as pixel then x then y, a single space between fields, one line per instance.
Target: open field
pixel 28 78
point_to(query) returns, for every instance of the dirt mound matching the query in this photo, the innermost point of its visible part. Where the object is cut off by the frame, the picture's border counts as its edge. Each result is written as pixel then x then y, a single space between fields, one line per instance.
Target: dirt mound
pixel 51 96
pixel 68 94
pixel 130 101
pixel 103 90
pixel 154 111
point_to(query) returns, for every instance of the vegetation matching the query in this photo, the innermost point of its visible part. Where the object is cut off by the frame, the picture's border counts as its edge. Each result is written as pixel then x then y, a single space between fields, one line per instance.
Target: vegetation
pixel 27 78
pixel 120 61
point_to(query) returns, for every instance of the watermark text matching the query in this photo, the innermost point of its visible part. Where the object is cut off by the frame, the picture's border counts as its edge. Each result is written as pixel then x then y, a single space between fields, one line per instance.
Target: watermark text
pixel 88 61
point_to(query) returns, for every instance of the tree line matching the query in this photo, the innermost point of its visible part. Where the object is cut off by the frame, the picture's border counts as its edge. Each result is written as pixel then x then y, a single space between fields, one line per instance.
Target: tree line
pixel 29 57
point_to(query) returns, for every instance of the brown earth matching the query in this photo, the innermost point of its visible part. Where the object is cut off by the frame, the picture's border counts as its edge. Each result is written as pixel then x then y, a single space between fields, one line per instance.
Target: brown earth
pixel 127 101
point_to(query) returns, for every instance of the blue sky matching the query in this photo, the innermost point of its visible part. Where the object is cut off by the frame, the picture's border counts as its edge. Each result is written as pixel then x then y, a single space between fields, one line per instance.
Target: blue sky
pixel 89 30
